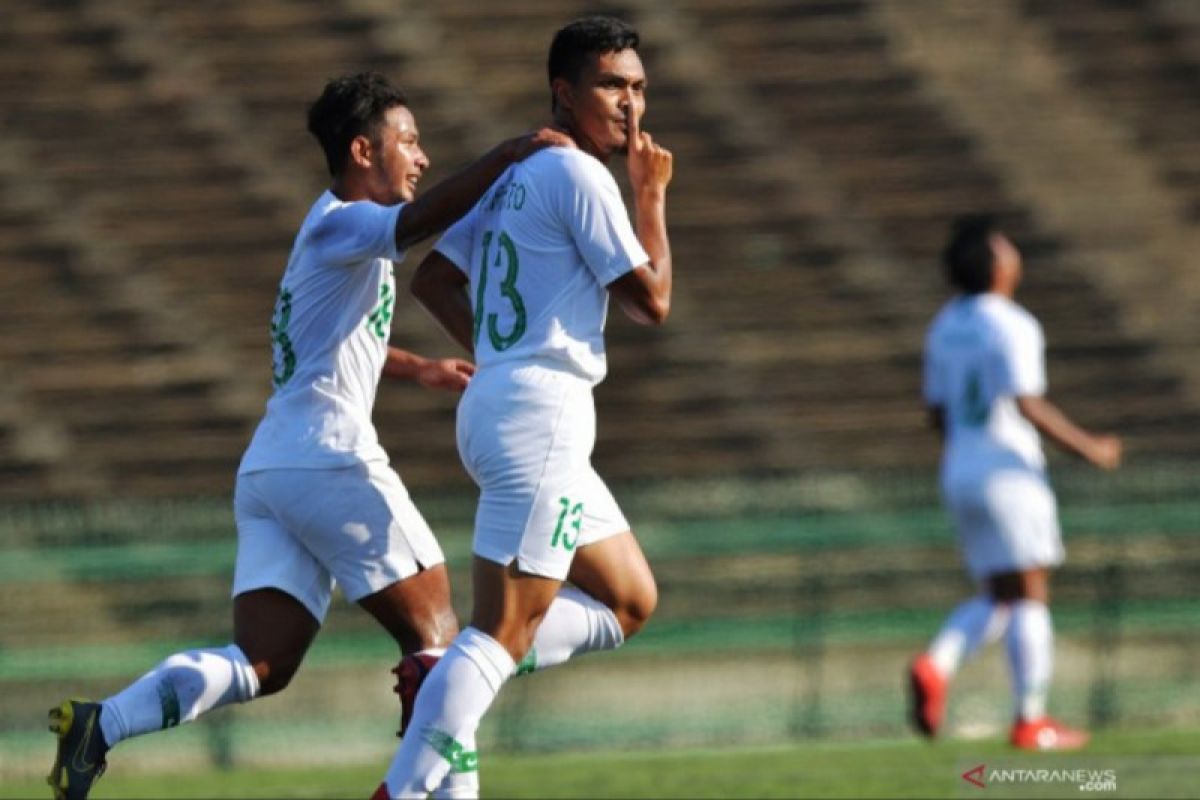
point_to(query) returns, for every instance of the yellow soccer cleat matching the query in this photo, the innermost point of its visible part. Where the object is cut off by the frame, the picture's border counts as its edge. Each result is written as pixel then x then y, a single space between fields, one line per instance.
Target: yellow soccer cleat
pixel 81 749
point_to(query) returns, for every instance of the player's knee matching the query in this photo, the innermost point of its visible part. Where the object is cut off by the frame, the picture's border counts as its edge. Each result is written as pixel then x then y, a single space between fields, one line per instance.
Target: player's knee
pixel 1011 587
pixel 274 676
pixel 636 609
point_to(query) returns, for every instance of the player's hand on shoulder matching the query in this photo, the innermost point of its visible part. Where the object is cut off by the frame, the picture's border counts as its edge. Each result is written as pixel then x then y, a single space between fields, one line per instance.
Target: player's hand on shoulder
pixel 650 165
pixel 1107 451
pixel 522 147
pixel 449 374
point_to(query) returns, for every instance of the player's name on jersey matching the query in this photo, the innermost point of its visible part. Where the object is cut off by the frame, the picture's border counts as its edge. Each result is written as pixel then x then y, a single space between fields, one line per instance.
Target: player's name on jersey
pixel 510 195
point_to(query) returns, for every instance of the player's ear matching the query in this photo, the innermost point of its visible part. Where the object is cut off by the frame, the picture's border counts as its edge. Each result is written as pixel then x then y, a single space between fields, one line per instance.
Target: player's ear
pixel 361 151
pixel 564 95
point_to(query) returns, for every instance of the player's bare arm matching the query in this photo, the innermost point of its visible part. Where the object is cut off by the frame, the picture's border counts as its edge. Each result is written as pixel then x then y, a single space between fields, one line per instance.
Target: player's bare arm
pixel 450 374
pixel 441 288
pixel 444 204
pixel 1102 450
pixel 645 293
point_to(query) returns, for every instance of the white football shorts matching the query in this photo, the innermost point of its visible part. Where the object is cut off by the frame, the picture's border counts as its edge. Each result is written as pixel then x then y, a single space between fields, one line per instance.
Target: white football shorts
pixel 1007 521
pixel 303 531
pixel 525 435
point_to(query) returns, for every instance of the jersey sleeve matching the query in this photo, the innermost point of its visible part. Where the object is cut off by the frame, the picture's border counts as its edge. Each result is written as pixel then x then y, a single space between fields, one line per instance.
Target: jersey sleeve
pixel 456 243
pixel 933 384
pixel 595 215
pixel 1022 366
pixel 355 232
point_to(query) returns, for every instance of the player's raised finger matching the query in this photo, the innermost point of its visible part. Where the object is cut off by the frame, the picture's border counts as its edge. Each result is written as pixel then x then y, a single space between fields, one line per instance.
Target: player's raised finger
pixel 633 129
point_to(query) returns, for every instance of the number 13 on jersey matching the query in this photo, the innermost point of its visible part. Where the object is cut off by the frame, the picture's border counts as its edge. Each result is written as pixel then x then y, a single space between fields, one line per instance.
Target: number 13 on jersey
pixel 505 259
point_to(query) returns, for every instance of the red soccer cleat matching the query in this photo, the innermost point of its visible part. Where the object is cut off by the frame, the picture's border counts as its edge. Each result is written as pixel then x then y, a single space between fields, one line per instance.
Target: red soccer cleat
pixel 1046 734
pixel 927 694
pixel 410 674
pixel 382 792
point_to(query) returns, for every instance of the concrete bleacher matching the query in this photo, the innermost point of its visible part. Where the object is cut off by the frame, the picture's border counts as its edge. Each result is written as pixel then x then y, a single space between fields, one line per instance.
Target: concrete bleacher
pixel 1138 60
pixel 815 176
pixel 908 165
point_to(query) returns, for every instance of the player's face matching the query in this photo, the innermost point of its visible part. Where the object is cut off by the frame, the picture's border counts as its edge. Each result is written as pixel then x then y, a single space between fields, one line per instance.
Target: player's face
pixel 611 89
pixel 1007 264
pixel 400 161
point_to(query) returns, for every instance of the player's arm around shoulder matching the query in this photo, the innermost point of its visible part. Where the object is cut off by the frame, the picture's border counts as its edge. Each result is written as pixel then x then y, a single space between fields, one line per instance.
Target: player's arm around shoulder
pixel 445 203
pixel 644 294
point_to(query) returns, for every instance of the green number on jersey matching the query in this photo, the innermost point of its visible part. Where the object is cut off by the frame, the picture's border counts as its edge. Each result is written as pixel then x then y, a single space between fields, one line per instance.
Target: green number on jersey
pixel 506 253
pixel 284 355
pixel 380 319
pixel 975 404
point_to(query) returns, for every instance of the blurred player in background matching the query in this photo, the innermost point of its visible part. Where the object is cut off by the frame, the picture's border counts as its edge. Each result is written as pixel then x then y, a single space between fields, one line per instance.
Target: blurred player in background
pixel 984 384
pixel 316 501
pixel 523 281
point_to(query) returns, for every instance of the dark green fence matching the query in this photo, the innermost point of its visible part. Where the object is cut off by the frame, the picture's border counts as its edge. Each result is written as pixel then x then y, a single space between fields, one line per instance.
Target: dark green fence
pixel 789 608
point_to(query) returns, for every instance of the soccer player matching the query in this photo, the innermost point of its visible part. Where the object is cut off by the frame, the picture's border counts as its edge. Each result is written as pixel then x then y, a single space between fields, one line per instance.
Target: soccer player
pixel 523 282
pixel 985 385
pixel 316 502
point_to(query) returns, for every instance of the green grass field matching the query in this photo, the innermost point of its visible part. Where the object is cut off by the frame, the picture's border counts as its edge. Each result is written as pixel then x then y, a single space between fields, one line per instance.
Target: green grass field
pixel 1159 763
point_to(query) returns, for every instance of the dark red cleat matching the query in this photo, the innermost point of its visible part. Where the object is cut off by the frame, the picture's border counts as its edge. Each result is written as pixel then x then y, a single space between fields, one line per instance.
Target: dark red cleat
pixel 410 674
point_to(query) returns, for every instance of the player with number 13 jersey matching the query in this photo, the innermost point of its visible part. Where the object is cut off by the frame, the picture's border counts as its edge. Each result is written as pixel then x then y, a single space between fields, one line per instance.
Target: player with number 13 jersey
pixel 539 251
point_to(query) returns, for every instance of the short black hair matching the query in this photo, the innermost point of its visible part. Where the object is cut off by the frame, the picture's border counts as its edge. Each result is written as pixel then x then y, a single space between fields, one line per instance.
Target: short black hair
pixel 350 106
pixel 587 36
pixel 968 256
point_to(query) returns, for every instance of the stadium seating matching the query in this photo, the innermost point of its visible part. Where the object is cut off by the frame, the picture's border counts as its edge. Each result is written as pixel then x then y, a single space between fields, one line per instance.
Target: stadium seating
pixel 1142 67
pixel 154 166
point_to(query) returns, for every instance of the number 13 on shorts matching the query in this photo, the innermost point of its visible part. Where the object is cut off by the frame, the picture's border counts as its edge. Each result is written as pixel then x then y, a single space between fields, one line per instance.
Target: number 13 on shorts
pixel 570 521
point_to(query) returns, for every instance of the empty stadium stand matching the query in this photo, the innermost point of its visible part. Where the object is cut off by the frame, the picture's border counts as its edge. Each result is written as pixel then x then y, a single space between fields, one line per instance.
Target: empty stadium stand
pixel 154 165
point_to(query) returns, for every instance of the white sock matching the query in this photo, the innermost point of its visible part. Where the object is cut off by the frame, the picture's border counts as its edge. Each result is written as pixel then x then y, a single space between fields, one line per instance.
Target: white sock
pixel 452 701
pixel 1031 656
pixel 576 623
pixel 456 785
pixel 971 625
pixel 178 690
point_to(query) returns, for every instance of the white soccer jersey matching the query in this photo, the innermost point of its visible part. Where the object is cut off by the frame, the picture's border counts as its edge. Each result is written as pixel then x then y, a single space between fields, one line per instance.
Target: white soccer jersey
pixel 330 336
pixel 981 353
pixel 539 249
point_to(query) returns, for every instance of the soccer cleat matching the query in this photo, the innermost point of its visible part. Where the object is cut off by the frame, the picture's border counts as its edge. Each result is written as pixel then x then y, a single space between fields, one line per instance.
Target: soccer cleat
pixel 927 695
pixel 1046 734
pixel 410 674
pixel 81 749
pixel 382 792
